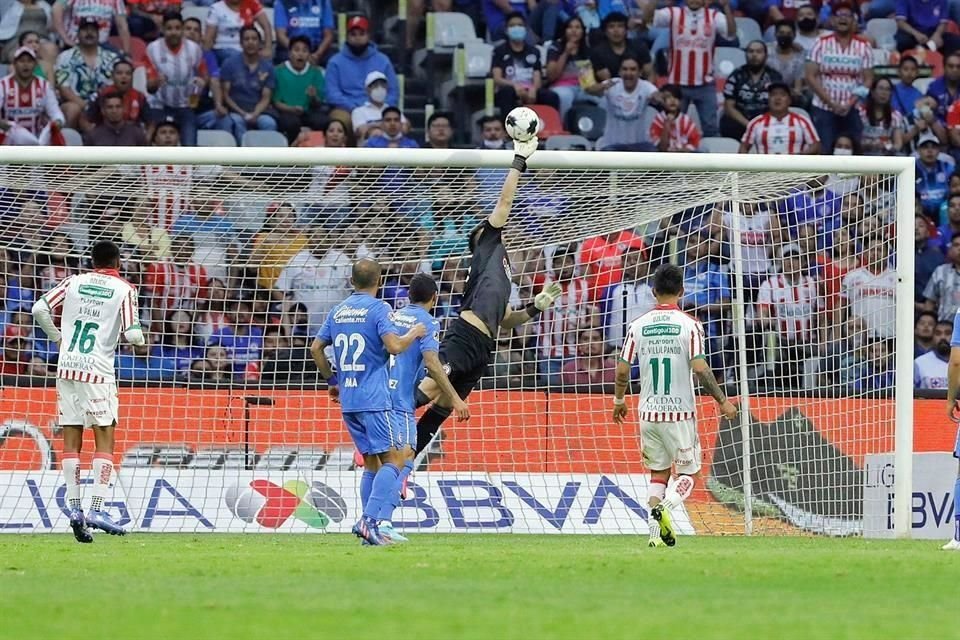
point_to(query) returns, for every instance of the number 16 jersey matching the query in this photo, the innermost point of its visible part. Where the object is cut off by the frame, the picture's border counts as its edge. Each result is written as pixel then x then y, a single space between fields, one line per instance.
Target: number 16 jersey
pixel 663 342
pixel 97 307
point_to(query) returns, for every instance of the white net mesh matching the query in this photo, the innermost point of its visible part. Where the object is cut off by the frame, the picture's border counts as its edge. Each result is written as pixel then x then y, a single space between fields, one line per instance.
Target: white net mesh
pixel 224 424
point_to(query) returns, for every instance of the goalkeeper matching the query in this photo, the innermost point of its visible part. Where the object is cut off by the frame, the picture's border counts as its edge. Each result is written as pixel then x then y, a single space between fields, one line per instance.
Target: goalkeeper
pixel 470 340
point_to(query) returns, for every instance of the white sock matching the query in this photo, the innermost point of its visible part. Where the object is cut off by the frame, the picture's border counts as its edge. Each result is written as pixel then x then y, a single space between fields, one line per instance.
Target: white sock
pixel 679 492
pixel 102 471
pixel 71 476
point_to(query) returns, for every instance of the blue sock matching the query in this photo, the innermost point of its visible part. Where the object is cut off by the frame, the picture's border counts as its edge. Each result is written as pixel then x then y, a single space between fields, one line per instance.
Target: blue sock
pixel 383 486
pixel 956 509
pixel 386 511
pixel 366 486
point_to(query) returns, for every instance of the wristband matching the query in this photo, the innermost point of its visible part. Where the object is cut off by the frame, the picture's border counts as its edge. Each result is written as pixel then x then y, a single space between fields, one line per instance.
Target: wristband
pixel 519 163
pixel 619 402
pixel 332 381
pixel 532 309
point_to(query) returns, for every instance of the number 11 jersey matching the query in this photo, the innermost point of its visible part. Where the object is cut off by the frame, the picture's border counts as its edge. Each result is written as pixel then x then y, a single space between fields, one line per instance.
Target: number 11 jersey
pixel 663 342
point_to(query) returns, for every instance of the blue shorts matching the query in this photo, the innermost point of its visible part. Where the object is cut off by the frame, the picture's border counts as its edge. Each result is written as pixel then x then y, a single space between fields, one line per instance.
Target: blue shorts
pixel 379 431
pixel 956 448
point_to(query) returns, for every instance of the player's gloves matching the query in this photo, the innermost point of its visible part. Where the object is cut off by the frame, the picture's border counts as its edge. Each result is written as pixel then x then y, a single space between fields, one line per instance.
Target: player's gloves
pixel 522 151
pixel 547 296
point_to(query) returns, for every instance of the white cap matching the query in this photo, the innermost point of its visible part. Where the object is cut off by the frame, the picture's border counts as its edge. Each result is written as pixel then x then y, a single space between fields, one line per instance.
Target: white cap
pixel 24 51
pixel 927 136
pixel 373 76
pixel 790 249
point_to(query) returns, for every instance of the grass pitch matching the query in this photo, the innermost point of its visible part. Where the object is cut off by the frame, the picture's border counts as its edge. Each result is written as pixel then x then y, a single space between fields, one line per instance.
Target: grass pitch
pixel 467 586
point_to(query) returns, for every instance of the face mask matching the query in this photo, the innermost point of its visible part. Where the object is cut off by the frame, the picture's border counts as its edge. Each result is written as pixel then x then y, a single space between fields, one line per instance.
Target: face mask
pixel 493 144
pixel 357 50
pixel 517 33
pixel 784 41
pixel 943 348
pixel 807 24
pixel 843 152
pixel 378 94
pixel 393 137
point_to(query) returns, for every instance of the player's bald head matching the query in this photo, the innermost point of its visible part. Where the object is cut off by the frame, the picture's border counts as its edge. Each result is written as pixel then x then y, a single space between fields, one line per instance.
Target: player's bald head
pixel 366 274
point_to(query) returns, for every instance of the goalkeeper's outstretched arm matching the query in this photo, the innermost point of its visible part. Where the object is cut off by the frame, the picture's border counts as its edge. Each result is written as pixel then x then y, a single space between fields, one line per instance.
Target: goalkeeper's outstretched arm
pixel 523 150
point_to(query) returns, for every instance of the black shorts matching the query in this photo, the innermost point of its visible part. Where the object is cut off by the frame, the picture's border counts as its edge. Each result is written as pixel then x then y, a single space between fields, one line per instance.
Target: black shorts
pixel 465 352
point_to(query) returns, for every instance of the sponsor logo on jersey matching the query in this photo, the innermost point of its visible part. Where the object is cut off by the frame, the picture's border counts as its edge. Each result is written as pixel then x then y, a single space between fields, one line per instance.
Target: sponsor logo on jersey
pixel 93 291
pixel 655 330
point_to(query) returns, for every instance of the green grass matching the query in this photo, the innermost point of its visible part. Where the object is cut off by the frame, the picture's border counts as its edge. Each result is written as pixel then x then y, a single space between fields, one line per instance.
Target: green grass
pixel 490 587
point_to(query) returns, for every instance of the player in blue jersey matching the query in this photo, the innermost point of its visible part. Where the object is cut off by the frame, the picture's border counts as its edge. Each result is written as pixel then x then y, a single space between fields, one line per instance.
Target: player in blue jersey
pixel 406 373
pixel 953 388
pixel 363 336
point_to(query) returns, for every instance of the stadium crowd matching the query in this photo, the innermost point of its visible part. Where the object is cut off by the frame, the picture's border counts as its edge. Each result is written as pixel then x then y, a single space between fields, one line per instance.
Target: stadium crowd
pixel 227 300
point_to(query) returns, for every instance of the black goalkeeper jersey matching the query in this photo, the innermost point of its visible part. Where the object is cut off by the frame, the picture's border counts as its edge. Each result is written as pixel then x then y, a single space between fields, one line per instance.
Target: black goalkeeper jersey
pixel 488 287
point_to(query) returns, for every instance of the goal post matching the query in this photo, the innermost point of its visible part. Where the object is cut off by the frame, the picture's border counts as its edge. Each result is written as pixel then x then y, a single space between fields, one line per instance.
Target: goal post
pixel 220 432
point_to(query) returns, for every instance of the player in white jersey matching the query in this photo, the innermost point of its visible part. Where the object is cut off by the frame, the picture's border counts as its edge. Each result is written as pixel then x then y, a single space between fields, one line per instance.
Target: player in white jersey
pixel 669 346
pixel 96 308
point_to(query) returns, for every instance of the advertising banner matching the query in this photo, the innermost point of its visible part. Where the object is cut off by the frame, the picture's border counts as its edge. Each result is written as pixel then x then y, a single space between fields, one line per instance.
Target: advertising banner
pixel 932 512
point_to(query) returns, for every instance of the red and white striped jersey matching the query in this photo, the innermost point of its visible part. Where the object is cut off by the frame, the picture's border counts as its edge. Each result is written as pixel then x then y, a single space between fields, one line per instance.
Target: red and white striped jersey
pixel 692 40
pixel 97 307
pixel 841 68
pixel 169 187
pixel 100 10
pixel 179 68
pixel 664 342
pixel 558 327
pixel 789 135
pixel 31 107
pixel 756 239
pixel 872 298
pixel 173 286
pixel 793 304
pixel 684 134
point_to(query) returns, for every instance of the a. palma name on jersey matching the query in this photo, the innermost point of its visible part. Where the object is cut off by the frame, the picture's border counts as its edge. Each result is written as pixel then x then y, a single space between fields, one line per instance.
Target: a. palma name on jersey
pixel 87 310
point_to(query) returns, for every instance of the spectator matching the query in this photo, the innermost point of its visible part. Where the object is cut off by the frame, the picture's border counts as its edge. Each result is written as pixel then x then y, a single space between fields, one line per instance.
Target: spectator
pixel 930 369
pixel 369 115
pixel 19 19
pixel 336 135
pixel 602 259
pixel 625 99
pixel 83 71
pixel 492 134
pixel 788 58
pixel 134 364
pixel 606 57
pixel 871 371
pixel 46 51
pixel 693 31
pixel 951 228
pixel 174 282
pixel 839 67
pixel 279 240
pixel 808 29
pixel 497 15
pixel 706 295
pixel 591 370
pixel 179 346
pixel 147 17
pixel 559 323
pixel 933 173
pixel 881 125
pixel 69 17
pixel 516 71
pixel 672 130
pixel 628 300
pixel 247 84
pixel 216 368
pixel 928 255
pixel 29 113
pixel 439 130
pixel 16 353
pixel 349 68
pixel 905 95
pixel 242 339
pixel 392 135
pixel 176 77
pixel 922 23
pixel 282 361
pixel 923 328
pixel 746 91
pixel 310 19
pixel 144 241
pixel 569 70
pixel 869 292
pixel 299 91
pixel 226 22
pixel 115 131
pixel 134 102
pixel 946 89
pixel 789 305
pixel 780 131
pixel 760 231
pixel 317 277
pixel 943 289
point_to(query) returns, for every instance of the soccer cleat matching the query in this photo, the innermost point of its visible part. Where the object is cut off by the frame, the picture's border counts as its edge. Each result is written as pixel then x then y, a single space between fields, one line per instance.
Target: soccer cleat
pixel 102 520
pixel 79 525
pixel 953 545
pixel 387 531
pixel 656 542
pixel 662 516
pixel 367 530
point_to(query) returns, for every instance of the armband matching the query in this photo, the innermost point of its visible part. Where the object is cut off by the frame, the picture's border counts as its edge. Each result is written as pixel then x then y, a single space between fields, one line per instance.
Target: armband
pixel 532 310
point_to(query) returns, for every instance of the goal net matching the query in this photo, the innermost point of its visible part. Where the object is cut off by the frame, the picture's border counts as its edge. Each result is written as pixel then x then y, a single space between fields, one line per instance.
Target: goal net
pixel 791 265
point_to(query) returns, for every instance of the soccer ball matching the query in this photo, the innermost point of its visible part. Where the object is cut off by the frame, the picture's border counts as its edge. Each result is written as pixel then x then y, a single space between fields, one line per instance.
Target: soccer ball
pixel 522 124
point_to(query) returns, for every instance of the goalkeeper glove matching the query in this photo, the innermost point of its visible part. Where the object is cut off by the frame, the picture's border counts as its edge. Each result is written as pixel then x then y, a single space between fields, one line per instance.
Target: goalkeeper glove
pixel 547 296
pixel 522 151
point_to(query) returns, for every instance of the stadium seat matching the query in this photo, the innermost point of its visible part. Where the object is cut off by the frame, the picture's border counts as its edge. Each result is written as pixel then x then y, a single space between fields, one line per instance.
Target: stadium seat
pixel 748 30
pixel 726 60
pixel 589 121
pixel 925 57
pixel 257 138
pixel 313 139
pixel 138 48
pixel 453 28
pixel 215 138
pixel 572 142
pixel 3 70
pixel 478 55
pixel 922 84
pixel 552 124
pixel 801 111
pixel 883 31
pixel 719 145
pixel 140 80
pixel 73 138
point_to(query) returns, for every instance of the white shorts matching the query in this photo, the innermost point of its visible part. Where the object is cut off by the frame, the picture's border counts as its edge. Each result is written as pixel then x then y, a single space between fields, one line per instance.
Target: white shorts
pixel 87 405
pixel 671 444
